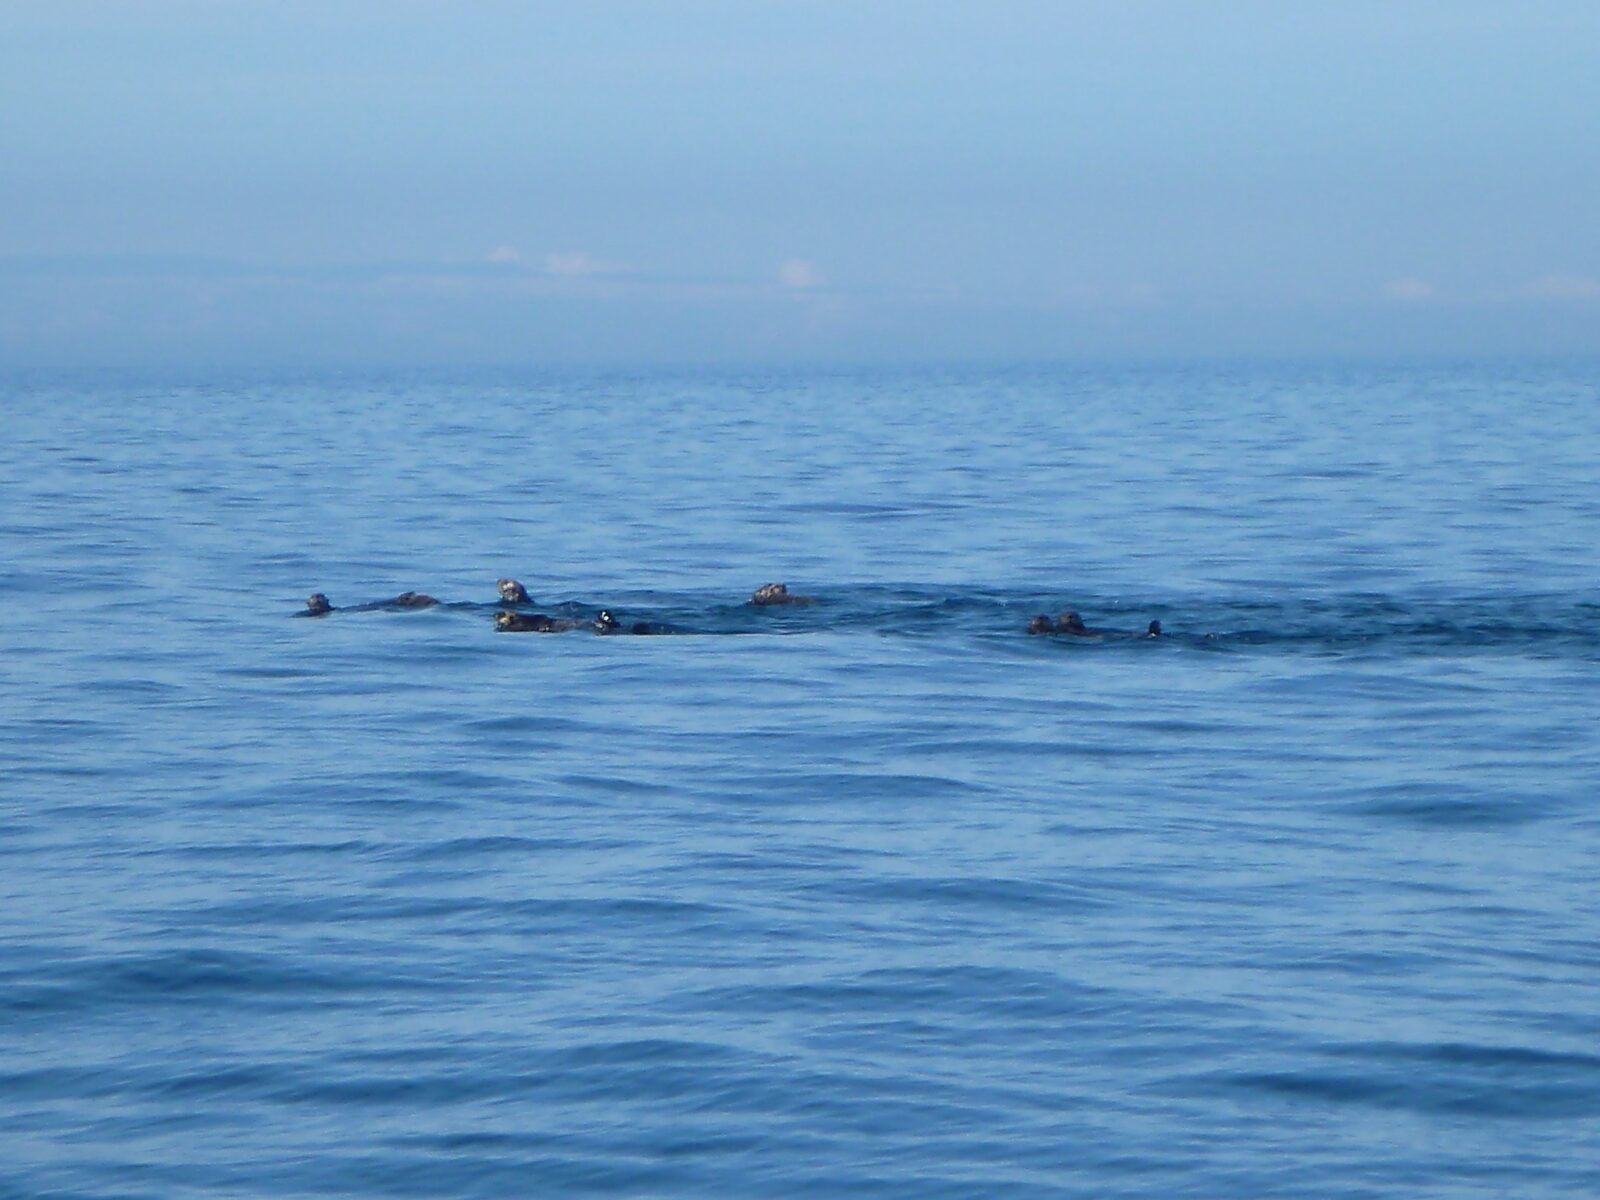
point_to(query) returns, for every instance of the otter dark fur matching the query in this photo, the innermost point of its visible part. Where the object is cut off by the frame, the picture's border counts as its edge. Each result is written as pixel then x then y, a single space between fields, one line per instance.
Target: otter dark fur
pixel 317 605
pixel 412 600
pixel 510 622
pixel 1071 623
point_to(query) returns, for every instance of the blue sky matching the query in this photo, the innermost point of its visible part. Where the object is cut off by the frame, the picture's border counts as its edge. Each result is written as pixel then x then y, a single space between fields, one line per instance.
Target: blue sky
pixel 439 183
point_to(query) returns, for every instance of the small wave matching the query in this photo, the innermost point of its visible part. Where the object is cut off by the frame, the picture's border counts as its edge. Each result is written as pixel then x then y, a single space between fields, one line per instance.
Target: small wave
pixel 199 976
pixel 1454 1087
pixel 1456 812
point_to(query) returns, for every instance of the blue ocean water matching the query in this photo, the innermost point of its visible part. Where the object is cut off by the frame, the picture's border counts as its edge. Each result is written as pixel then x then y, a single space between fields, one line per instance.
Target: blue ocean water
pixel 879 897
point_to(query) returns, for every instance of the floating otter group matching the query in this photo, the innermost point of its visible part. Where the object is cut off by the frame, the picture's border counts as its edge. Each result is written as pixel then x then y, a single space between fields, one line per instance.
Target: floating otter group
pixel 509 621
pixel 767 595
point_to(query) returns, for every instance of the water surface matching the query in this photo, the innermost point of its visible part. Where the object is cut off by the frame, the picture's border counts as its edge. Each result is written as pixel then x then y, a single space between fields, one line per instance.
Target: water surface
pixel 877 897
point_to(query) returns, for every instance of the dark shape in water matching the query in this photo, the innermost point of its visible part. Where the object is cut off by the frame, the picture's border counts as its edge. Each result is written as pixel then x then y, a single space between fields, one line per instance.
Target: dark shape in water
pixel 778 593
pixel 317 604
pixel 513 592
pixel 1072 623
pixel 510 622
pixel 411 600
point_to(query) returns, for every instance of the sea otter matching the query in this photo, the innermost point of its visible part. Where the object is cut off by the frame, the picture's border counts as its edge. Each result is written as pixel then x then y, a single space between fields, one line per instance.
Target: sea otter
pixel 510 622
pixel 513 592
pixel 778 593
pixel 606 623
pixel 1072 624
pixel 317 604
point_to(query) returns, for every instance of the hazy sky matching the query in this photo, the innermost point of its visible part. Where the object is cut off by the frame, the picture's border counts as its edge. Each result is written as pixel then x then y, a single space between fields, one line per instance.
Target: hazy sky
pixel 392 182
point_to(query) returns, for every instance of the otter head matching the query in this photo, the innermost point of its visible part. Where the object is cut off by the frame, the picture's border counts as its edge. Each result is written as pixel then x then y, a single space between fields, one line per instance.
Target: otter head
pixel 1041 624
pixel 605 622
pixel 317 604
pixel 512 592
pixel 504 620
pixel 1071 623
pixel 1154 630
pixel 770 593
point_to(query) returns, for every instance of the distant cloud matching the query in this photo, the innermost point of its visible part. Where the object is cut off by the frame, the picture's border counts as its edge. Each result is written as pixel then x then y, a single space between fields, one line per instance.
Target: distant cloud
pixel 503 254
pixel 1409 290
pixel 1555 288
pixel 1563 287
pixel 799 273
pixel 575 264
